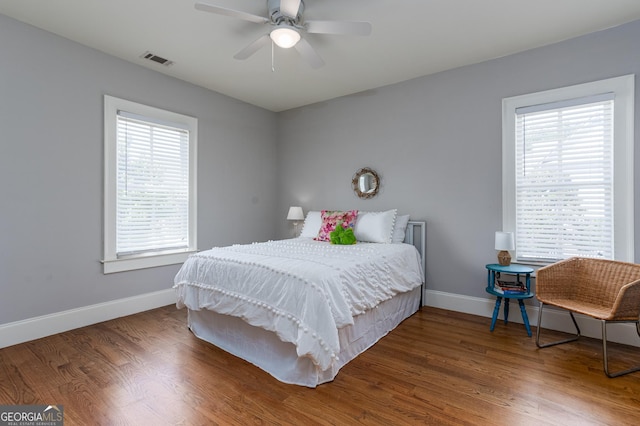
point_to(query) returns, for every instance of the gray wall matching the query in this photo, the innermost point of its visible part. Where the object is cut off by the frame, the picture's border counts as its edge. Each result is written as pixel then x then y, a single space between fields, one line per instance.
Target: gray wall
pixel 51 170
pixel 436 142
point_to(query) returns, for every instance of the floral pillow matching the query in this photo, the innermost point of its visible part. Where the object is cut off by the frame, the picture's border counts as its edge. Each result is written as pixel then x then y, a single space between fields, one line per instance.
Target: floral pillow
pixel 331 218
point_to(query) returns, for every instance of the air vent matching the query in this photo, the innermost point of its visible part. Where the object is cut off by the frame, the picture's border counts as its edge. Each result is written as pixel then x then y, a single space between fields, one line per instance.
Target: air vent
pixel 155 58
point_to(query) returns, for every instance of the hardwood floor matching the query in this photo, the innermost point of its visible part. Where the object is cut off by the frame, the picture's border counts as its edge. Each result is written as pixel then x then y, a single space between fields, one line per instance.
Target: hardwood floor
pixel 437 367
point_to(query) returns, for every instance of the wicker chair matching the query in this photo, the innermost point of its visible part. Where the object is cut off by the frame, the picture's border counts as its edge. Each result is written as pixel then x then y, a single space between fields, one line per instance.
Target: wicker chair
pixel 603 289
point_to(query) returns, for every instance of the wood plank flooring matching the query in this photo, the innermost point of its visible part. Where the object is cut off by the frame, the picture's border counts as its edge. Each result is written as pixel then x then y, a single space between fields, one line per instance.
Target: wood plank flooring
pixel 438 367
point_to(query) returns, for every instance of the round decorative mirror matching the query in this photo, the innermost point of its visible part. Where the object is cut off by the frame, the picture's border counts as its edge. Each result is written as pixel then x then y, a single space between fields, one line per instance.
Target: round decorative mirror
pixel 366 183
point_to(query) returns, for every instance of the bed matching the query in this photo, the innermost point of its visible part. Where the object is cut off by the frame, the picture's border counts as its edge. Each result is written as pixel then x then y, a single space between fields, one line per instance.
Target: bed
pixel 300 309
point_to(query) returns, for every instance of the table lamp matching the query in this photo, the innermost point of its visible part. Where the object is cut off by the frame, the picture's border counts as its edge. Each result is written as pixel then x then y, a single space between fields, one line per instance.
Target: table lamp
pixel 504 243
pixel 295 214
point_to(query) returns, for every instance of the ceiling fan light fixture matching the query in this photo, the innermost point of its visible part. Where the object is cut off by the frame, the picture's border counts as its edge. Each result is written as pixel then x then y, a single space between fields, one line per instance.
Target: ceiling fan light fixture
pixel 285 37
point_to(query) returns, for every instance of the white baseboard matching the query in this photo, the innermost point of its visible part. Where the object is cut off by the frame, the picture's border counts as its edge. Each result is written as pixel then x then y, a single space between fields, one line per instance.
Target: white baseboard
pixel 46 325
pixel 553 319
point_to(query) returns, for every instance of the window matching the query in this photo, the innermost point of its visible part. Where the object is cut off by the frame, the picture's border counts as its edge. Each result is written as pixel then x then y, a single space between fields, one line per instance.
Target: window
pixel 150 186
pixel 567 161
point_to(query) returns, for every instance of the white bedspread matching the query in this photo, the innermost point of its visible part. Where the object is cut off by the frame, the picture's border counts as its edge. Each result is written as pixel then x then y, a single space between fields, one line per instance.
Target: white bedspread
pixel 301 289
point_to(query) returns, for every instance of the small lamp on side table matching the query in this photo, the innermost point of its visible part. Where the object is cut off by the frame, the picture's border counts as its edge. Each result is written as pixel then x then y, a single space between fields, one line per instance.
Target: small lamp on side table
pixel 295 214
pixel 504 243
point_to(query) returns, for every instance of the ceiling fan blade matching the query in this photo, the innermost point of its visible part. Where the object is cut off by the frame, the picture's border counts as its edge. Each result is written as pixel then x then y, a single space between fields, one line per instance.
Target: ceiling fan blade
pixel 252 48
pixel 309 53
pixel 207 7
pixel 290 8
pixel 339 27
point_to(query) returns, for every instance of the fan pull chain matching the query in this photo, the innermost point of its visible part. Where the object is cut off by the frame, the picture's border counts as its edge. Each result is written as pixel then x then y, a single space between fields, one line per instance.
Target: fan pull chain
pixel 273 66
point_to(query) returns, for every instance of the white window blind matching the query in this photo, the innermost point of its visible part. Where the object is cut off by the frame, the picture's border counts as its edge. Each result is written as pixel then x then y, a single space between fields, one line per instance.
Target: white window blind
pixel 564 179
pixel 152 185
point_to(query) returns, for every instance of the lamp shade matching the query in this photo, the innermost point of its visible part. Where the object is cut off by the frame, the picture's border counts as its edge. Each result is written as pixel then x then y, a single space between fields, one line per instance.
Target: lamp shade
pixel 285 36
pixel 295 213
pixel 505 241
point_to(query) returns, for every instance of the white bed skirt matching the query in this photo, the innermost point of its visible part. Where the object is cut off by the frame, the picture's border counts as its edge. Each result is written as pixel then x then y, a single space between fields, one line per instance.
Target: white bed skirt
pixel 265 350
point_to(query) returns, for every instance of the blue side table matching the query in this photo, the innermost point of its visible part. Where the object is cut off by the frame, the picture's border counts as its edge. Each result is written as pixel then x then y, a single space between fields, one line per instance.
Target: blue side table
pixel 516 270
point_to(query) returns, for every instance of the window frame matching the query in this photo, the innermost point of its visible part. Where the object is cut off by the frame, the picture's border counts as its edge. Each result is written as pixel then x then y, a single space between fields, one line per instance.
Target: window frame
pixel 112 262
pixel 623 128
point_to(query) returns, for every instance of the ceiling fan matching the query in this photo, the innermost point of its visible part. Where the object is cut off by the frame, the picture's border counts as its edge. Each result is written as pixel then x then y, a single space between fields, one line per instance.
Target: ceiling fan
pixel 288 24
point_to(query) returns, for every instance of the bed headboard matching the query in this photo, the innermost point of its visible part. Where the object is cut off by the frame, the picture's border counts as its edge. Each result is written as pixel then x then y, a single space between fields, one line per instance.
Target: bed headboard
pixel 415 235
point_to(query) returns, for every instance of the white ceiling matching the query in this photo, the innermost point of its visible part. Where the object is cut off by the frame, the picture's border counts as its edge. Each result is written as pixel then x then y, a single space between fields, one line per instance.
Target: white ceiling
pixel 410 38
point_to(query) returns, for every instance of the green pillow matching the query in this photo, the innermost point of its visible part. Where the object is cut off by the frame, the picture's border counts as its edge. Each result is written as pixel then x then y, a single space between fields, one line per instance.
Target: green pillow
pixel 342 236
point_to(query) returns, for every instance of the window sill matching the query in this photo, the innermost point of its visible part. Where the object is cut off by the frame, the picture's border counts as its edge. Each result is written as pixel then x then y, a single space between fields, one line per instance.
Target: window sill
pixel 145 261
pixel 534 265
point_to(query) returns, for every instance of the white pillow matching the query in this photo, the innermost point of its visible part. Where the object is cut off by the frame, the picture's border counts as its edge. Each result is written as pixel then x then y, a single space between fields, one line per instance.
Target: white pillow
pixel 375 227
pixel 311 225
pixel 400 228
